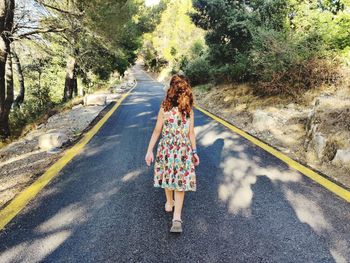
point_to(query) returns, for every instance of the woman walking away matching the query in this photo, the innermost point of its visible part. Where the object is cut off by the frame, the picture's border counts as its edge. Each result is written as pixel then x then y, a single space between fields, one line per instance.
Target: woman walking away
pixel 176 158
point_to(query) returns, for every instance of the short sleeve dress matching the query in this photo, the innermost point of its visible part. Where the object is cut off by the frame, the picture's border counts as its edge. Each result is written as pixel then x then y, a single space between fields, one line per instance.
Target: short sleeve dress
pixel 173 167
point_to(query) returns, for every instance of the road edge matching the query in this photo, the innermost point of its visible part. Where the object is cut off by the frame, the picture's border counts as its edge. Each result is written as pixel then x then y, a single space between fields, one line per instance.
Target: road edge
pixel 24 197
pixel 313 175
pixel 326 183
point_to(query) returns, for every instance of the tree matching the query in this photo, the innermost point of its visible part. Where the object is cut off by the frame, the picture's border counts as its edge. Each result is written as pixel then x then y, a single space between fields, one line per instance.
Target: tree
pixel 172 38
pixel 6 83
pixel 20 97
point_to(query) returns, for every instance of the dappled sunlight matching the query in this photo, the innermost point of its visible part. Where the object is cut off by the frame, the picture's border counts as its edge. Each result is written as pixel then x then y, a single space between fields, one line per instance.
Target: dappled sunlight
pixel 131 175
pixel 240 173
pixel 144 113
pixel 207 134
pixel 136 100
pixel 57 228
pixel 307 211
pixel 37 250
pixel 91 152
pixel 243 165
pixel 19 168
pixel 132 126
pixel 20 157
pixel 310 213
pixel 99 199
pixel 339 250
pixel 67 217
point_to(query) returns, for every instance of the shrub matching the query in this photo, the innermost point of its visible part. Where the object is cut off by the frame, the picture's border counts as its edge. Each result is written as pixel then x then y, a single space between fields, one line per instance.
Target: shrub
pixel 198 71
pixel 37 103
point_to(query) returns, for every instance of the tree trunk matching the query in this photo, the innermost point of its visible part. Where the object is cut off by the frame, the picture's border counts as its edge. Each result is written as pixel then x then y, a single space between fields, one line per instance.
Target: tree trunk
pixel 71 84
pixel 6 91
pixel 20 97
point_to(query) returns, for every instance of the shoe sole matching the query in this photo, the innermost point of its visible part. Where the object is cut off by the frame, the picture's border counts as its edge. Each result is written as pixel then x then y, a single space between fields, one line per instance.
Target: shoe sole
pixel 176 230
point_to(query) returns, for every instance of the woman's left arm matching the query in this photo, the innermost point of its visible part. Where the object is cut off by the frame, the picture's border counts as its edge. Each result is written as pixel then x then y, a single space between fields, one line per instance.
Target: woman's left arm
pixel 155 135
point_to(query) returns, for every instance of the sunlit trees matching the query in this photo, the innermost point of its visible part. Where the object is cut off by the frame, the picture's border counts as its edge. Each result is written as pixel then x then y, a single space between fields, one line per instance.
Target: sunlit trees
pixel 171 41
pixel 283 46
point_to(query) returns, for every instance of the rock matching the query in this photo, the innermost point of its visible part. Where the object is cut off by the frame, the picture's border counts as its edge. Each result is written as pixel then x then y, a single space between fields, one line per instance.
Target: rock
pixel 131 83
pixel 95 99
pixel 262 121
pixel 52 140
pixel 342 157
pixel 112 96
pixel 112 89
pixel 53 118
pixel 77 106
pixel 291 106
pixel 54 150
pixel 319 143
pixel 41 126
pixel 119 90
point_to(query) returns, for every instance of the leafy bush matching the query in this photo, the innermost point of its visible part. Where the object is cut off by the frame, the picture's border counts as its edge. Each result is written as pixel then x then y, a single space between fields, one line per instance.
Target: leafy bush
pixel 37 103
pixel 198 71
pixel 283 46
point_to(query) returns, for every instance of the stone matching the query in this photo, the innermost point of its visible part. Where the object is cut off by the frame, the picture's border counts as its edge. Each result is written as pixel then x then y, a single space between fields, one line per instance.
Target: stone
pixel 42 125
pixel 95 99
pixel 319 143
pixel 262 121
pixel 131 83
pixel 342 157
pixel 52 140
pixel 113 96
pixel 119 90
pixel 77 106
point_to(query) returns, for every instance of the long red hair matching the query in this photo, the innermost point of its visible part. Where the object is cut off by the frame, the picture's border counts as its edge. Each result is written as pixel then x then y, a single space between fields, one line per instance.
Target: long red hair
pixel 179 95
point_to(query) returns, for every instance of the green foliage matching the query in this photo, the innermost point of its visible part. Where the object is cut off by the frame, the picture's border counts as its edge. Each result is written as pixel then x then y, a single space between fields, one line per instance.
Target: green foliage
pixel 282 40
pixel 198 71
pixel 169 45
pixel 102 36
pixel 37 102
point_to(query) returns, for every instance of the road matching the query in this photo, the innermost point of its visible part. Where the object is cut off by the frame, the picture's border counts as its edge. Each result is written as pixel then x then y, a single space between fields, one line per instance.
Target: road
pixel 249 206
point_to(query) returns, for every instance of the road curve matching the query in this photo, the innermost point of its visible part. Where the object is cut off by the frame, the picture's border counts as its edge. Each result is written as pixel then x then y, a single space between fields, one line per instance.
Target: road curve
pixel 249 206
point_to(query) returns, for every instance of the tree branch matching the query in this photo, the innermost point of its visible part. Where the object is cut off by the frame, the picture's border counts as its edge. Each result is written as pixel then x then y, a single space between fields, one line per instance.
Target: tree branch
pixel 41 31
pixel 59 9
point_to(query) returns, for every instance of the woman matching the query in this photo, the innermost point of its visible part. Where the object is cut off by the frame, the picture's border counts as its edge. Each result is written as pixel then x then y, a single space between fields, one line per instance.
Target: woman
pixel 176 152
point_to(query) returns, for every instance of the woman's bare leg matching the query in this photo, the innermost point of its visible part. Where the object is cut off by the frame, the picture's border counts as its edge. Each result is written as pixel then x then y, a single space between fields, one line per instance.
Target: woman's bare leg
pixel 169 194
pixel 179 200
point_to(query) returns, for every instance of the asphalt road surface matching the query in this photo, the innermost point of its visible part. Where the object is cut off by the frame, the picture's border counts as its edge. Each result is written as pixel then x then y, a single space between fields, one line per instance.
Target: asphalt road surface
pixel 248 207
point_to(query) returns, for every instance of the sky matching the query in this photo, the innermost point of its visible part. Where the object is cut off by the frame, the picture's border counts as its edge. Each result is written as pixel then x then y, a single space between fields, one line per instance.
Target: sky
pixel 151 2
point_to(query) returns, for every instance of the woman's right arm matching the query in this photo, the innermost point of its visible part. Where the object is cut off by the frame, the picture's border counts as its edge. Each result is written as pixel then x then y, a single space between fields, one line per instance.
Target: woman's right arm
pixel 155 135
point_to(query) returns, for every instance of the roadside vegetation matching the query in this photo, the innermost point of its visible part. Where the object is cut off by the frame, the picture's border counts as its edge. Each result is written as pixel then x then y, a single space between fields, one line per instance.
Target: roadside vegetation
pixel 55 51
pixel 281 47
pixel 277 69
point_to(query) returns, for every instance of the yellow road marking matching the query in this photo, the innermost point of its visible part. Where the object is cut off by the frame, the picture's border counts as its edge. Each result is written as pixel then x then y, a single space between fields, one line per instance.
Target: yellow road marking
pixel 22 199
pixel 336 189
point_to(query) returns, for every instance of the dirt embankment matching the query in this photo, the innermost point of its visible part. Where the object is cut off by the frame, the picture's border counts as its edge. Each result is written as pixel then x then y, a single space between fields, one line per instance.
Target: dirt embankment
pixel 313 129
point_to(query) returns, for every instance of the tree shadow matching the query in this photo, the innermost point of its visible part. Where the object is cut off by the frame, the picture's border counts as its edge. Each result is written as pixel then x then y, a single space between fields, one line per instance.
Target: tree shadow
pixel 248 207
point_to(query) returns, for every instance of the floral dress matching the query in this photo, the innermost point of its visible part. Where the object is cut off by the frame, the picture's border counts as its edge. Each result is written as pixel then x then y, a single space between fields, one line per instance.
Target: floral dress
pixel 173 167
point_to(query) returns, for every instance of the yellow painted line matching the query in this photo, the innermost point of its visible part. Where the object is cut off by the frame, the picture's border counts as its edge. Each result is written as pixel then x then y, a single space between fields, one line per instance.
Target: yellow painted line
pixel 336 189
pixel 22 199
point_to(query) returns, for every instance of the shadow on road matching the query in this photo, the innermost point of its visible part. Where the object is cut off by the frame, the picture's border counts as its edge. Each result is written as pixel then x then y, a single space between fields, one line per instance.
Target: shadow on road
pixel 248 207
